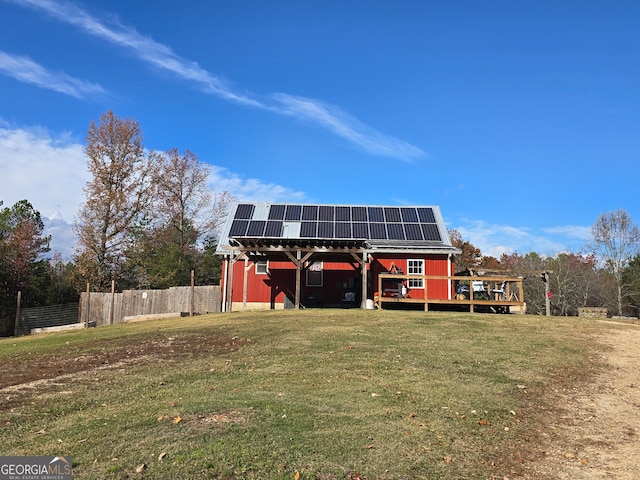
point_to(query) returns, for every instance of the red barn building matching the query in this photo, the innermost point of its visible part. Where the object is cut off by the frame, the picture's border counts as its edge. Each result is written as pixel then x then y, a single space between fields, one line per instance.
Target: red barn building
pixel 293 255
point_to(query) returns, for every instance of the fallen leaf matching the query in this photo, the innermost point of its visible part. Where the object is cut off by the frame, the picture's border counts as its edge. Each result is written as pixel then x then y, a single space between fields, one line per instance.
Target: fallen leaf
pixel 448 459
pixel 175 404
pixel 296 476
pixel 583 461
pixel 178 419
pixel 41 432
pixel 161 456
pixel 140 468
pixel 569 455
pixel 484 422
pixel 160 418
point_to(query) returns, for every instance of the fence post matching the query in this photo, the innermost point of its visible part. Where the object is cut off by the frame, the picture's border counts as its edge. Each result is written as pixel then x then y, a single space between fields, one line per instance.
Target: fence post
pixel 86 319
pixel 113 300
pixel 15 327
pixel 193 282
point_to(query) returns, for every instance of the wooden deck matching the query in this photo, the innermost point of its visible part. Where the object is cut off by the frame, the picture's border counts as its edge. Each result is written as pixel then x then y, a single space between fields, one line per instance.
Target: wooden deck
pixel 478 293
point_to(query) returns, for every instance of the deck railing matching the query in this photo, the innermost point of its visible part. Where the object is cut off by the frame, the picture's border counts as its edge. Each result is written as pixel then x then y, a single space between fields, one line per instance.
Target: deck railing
pixel 497 292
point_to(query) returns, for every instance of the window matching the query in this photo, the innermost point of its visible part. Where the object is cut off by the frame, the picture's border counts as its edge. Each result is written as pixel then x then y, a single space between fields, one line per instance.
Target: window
pixel 314 274
pixel 262 267
pixel 415 267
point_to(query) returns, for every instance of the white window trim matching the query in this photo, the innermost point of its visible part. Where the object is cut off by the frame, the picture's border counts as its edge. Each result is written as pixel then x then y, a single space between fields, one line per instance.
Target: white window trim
pixel 415 283
pixel 266 267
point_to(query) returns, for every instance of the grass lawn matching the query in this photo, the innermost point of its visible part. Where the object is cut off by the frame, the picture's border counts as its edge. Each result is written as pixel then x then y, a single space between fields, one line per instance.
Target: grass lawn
pixel 314 394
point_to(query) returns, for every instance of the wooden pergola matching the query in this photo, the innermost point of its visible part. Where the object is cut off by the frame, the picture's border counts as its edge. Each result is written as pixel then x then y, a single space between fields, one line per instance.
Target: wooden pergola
pixel 298 253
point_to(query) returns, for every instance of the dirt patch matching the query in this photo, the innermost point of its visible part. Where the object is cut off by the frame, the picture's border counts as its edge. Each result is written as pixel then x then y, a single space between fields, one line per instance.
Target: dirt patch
pixel 42 368
pixel 591 430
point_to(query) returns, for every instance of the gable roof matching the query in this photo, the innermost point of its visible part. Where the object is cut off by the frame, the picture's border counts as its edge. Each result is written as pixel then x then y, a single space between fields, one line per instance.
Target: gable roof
pixel 356 227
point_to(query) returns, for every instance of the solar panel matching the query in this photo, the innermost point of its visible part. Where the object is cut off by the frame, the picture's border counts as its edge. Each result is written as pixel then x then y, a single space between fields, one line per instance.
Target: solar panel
pixel 309 229
pixel 244 211
pixel 293 212
pixel 360 230
pixel 326 213
pixel 392 214
pixel 343 214
pixel 409 215
pixel 376 214
pixel 309 212
pixel 238 228
pixel 359 214
pixel 276 212
pixel 426 215
pixel 256 228
pixel 343 230
pixel 273 229
pixel 335 222
pixel 431 232
pixel 395 230
pixel 413 231
pixel 378 231
pixel 325 229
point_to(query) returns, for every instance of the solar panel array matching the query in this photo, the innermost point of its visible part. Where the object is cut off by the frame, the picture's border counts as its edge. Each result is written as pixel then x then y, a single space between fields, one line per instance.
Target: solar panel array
pixel 336 222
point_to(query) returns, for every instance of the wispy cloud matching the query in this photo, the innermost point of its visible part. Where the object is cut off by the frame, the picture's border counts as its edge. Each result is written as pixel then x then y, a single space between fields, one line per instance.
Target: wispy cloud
pixel 572 231
pixel 344 125
pixel 26 70
pixel 163 57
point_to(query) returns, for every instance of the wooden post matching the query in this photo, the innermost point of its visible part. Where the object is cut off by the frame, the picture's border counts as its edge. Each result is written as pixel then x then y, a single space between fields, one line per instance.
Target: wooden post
pixel 245 283
pixel 113 301
pixel 86 319
pixel 298 273
pixel 232 264
pixel 193 296
pixel 15 327
pixel 363 265
pixel 547 297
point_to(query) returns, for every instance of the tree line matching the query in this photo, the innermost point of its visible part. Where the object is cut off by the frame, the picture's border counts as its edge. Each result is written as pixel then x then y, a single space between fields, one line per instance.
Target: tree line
pixel 149 219
pixel 607 276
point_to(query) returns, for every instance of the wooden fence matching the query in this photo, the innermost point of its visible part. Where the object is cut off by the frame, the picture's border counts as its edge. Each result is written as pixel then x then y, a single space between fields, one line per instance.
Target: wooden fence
pixel 107 308
pixel 49 316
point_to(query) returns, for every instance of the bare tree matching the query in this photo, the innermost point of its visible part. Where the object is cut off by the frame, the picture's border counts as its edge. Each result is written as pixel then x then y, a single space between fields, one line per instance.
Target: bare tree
pixel 115 199
pixel 183 199
pixel 186 214
pixel 615 240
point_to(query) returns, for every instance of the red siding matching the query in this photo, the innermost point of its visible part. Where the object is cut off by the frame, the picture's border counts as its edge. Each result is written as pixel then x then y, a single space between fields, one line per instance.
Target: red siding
pixel 338 279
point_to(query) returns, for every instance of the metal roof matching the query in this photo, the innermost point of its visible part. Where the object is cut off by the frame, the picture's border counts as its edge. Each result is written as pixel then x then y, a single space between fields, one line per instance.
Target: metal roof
pixel 362 227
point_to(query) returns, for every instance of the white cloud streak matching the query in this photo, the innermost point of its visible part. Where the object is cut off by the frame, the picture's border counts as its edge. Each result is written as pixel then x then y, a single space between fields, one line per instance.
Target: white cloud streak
pixel 26 70
pixel 163 57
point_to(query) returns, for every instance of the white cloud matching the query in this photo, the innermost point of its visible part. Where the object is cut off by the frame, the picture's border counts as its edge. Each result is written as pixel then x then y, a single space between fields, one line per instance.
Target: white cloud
pixel 494 240
pixel 252 189
pixel 50 173
pixel 161 56
pixel 26 70
pixel 580 232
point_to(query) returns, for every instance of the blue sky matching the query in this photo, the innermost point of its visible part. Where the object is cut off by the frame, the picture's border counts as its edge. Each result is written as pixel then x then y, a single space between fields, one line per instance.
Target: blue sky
pixel 519 119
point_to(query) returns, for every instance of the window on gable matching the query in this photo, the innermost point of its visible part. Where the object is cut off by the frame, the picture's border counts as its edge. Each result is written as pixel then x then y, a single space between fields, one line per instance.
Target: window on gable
pixel 262 267
pixel 415 267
